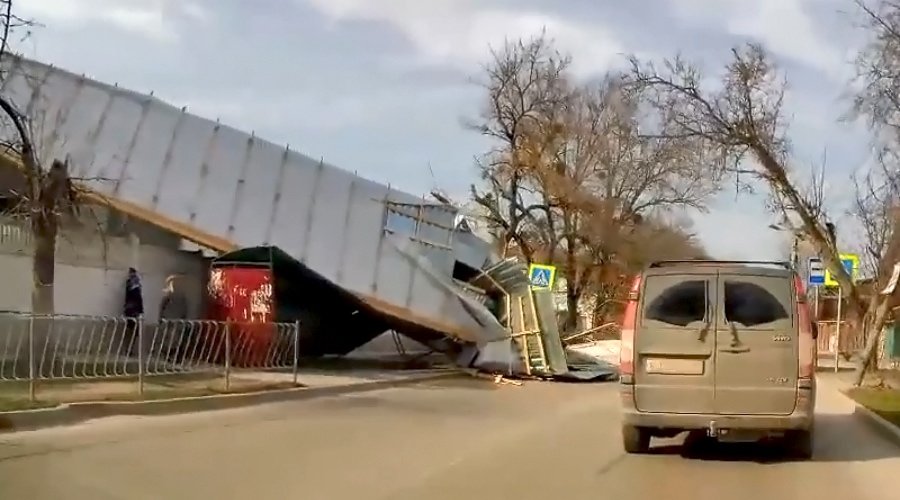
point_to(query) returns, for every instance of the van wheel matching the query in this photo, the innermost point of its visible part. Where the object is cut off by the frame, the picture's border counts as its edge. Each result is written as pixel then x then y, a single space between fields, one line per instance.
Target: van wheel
pixel 635 439
pixel 800 444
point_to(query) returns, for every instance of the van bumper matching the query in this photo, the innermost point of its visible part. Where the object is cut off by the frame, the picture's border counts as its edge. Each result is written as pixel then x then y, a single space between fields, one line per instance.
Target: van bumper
pixel 801 419
pixel 691 421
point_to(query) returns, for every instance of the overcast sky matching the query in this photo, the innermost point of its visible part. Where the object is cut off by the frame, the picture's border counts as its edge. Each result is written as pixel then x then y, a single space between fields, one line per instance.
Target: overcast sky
pixel 381 87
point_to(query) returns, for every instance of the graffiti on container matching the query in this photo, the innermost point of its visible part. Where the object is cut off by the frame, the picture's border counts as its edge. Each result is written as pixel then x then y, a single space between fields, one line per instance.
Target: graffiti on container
pixel 261 303
pixel 242 294
pixel 216 286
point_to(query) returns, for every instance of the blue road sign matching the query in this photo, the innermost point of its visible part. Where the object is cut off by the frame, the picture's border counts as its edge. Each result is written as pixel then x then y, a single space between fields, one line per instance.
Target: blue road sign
pixel 851 265
pixel 541 276
pixel 816 272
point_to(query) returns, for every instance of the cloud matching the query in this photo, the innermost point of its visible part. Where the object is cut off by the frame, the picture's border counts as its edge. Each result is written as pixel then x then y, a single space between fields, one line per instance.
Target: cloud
pixel 786 27
pixel 737 228
pixel 152 19
pixel 460 33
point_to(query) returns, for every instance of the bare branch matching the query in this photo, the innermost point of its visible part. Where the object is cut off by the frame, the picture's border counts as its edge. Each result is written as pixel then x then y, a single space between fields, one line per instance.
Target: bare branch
pixel 740 125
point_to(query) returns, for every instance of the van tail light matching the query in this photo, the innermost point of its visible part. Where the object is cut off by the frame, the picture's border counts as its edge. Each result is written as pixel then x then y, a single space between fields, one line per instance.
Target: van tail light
pixel 807 344
pixel 629 320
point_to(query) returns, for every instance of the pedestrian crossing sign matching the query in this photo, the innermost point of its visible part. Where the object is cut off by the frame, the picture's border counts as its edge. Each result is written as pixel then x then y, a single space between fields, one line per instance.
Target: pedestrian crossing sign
pixel 541 276
pixel 851 265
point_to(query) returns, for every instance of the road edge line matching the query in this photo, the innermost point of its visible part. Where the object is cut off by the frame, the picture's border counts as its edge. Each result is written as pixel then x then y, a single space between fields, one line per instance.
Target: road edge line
pixel 877 422
pixel 873 420
pixel 76 413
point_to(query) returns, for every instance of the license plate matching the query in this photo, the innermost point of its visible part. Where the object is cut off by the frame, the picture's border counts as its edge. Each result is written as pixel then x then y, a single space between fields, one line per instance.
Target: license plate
pixel 737 436
pixel 669 366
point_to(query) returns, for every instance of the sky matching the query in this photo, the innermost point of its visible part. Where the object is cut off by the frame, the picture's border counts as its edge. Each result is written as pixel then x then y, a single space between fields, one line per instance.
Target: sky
pixel 384 87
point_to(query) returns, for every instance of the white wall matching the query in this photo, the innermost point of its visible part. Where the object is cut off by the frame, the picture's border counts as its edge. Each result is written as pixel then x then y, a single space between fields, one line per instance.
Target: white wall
pixel 91 271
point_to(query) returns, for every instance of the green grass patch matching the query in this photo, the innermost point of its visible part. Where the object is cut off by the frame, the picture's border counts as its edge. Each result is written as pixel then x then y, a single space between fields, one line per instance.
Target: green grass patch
pixel 17 404
pixel 14 395
pixel 885 402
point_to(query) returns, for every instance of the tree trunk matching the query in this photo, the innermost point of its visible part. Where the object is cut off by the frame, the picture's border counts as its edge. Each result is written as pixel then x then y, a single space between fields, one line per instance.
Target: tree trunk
pixel 826 250
pixel 43 272
pixel 872 342
pixel 885 268
pixel 43 265
pixel 571 309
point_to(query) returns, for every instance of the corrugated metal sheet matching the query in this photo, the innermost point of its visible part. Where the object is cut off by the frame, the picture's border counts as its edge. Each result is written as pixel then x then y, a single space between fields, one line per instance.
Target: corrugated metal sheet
pixel 224 188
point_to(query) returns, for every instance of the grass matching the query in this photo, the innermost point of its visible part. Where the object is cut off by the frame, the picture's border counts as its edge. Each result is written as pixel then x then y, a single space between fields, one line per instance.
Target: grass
pixel 14 395
pixel 17 404
pixel 883 401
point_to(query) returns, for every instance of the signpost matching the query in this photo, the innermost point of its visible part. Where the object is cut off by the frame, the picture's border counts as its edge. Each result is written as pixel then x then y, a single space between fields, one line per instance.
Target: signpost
pixel 541 276
pixel 816 272
pixel 850 262
pixel 815 278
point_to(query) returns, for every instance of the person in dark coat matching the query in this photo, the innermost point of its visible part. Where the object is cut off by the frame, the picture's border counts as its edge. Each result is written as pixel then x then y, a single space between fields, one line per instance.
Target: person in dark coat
pixel 133 310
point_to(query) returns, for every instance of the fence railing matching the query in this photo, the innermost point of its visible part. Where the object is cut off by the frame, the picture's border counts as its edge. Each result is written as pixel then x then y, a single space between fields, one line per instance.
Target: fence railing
pixel 849 341
pixel 37 348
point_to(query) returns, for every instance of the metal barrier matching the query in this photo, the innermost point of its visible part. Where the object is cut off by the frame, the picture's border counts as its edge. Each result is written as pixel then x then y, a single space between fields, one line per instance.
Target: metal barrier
pixel 37 348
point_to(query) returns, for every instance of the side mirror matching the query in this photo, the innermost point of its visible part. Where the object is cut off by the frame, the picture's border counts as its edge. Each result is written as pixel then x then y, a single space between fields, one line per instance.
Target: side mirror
pixel 815 331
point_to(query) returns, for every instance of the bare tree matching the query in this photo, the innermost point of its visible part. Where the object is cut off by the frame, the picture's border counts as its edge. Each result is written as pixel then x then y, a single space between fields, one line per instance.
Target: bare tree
pixel 875 207
pixel 740 129
pixel 653 239
pixel 608 178
pixel 571 177
pixel 48 192
pixel 876 100
pixel 526 88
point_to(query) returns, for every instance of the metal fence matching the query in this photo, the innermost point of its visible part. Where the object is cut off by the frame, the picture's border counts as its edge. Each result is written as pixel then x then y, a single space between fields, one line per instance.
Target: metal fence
pixel 38 348
pixel 846 341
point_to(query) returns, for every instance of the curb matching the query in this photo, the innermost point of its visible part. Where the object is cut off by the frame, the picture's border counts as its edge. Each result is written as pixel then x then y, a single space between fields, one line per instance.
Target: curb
pixel 75 413
pixel 878 423
pixel 868 417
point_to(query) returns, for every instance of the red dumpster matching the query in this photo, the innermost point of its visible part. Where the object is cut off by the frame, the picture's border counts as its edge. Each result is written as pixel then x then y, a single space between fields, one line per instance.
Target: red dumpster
pixel 243 296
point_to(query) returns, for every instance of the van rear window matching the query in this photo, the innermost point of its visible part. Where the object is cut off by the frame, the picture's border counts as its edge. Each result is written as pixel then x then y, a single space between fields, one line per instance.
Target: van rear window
pixel 675 302
pixel 756 302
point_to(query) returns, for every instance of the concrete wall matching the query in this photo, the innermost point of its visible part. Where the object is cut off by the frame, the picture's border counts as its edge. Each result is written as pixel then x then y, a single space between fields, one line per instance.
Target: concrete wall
pixel 91 269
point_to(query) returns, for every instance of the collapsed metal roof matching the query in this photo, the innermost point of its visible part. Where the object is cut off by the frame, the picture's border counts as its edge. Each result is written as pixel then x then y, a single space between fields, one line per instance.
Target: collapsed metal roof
pixel 223 188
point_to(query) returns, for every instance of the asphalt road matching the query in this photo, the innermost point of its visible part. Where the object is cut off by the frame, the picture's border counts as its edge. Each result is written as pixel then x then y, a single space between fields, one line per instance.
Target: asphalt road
pixel 440 440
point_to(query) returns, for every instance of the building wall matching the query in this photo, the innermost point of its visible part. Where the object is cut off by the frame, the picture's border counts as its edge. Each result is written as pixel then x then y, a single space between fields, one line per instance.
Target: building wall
pixel 92 266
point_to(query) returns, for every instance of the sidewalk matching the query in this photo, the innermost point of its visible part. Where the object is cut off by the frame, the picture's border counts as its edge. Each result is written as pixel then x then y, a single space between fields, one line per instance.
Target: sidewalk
pixel 878 407
pixel 49 393
pixel 70 402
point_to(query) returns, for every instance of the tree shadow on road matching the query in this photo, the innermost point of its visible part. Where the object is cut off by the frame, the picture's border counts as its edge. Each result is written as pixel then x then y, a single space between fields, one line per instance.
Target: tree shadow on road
pixel 838 438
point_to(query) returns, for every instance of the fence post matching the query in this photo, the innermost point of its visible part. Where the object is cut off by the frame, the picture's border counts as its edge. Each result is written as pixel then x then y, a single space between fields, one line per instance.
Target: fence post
pixel 140 346
pixel 227 356
pixel 837 332
pixel 296 349
pixel 32 379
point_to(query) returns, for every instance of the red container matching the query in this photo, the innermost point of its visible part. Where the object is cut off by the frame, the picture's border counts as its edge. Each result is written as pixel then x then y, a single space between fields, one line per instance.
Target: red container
pixel 243 296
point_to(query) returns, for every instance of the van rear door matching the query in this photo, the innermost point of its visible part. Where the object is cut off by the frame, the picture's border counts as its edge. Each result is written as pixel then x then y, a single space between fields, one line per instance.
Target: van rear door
pixel 757 352
pixel 674 343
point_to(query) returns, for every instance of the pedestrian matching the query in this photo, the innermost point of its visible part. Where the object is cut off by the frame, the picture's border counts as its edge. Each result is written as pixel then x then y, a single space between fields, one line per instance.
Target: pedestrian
pixel 173 311
pixel 133 310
